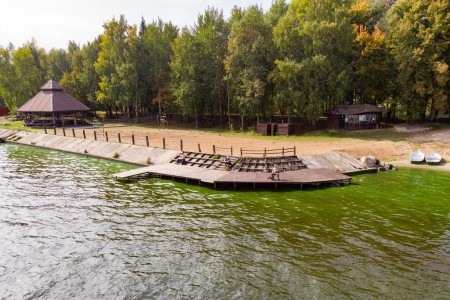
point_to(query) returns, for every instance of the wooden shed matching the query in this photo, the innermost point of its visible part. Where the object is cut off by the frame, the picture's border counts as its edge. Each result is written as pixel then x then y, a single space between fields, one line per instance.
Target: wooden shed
pixel 52 106
pixel 363 116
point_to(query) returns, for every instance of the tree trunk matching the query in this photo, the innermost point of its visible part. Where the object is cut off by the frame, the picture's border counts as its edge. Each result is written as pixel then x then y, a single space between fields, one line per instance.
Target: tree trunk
pixel 196 116
pixel 433 112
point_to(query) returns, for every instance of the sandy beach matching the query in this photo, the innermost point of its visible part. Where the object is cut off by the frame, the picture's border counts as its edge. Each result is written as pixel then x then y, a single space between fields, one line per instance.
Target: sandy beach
pixel 390 150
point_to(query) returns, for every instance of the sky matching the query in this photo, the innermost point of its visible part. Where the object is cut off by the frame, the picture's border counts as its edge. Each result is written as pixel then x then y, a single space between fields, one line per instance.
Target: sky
pixel 53 23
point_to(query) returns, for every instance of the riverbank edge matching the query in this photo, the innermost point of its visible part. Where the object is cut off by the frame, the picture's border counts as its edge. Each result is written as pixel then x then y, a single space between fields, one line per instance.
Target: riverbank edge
pixel 124 153
pixel 132 154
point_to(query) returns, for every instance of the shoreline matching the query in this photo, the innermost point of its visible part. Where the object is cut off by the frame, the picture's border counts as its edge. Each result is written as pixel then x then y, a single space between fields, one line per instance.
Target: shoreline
pixel 442 168
pixel 390 150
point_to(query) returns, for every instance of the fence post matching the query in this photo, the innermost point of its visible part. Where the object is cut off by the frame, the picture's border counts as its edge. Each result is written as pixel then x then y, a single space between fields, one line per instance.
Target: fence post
pixel 54 130
pixel 84 134
pixel 118 137
pixel 214 149
pixel 294 152
pixel 241 152
pixel 132 138
pixel 199 150
pixel 95 135
pixel 265 152
pixel 282 151
pixel 106 136
pixel 64 131
pixel 164 143
pixel 73 132
pixel 147 141
pixel 45 129
pixel 181 145
pixel 231 149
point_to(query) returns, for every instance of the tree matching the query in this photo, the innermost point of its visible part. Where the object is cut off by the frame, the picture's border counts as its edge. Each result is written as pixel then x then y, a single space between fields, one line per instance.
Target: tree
pixel 154 80
pixel 185 75
pixel 197 67
pixel 211 32
pixel 419 38
pixel 315 40
pixel 57 64
pixel 9 84
pixel 249 60
pixel 116 65
pixel 373 66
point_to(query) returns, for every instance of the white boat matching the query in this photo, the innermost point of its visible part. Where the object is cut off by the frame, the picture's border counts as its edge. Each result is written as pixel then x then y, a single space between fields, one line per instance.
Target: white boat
pixel 416 157
pixel 433 158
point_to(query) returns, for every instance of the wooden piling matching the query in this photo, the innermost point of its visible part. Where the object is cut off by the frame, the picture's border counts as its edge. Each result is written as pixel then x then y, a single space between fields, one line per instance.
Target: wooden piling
pixel 181 145
pixel 118 137
pixel 45 130
pixel 106 136
pixel 73 132
pixel 132 139
pixel 84 134
pixel 64 131
pixel 164 143
pixel 95 135
pixel 147 141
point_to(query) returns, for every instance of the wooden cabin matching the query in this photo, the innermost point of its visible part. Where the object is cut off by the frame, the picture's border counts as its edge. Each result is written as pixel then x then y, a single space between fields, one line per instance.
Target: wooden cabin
pixel 362 116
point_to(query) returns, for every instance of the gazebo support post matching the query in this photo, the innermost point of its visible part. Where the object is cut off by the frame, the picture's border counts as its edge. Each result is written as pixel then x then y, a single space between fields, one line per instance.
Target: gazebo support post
pixel 74 119
pixel 54 119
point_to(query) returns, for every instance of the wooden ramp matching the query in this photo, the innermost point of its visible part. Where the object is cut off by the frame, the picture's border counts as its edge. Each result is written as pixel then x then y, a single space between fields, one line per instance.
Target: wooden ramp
pixel 337 161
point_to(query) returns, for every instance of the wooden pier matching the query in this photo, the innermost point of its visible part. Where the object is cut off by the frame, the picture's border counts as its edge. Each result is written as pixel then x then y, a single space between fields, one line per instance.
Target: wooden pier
pixel 207 173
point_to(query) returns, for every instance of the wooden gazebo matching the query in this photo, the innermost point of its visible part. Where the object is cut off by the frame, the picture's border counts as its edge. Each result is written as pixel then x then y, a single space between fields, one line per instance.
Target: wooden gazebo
pixel 362 116
pixel 52 106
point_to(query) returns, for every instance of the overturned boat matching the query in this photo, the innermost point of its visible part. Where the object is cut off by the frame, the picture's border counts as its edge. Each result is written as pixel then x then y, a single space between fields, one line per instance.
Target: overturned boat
pixel 416 157
pixel 433 158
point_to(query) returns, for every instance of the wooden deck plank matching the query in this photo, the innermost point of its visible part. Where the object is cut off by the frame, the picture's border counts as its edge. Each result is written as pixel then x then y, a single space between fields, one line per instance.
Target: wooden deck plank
pixel 305 176
pixel 174 170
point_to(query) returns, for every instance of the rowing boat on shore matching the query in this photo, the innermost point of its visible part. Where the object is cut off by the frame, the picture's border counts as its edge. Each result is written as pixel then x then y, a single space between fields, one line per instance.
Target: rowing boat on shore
pixel 416 157
pixel 433 158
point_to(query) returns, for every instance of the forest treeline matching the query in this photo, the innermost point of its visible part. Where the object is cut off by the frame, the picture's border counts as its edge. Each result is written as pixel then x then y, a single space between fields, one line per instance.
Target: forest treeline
pixel 298 58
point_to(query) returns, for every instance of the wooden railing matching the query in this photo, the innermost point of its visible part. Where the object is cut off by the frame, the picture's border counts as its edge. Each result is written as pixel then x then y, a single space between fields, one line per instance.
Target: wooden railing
pixel 269 152
pixel 163 143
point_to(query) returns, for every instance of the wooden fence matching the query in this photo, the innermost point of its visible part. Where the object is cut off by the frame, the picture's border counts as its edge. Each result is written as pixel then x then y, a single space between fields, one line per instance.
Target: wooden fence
pixel 269 152
pixel 162 143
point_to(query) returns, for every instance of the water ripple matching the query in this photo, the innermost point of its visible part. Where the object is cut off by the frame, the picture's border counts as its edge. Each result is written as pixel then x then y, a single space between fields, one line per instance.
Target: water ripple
pixel 68 230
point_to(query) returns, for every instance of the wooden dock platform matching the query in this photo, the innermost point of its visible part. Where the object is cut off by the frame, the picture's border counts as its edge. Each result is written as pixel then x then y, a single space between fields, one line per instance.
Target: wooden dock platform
pixel 233 179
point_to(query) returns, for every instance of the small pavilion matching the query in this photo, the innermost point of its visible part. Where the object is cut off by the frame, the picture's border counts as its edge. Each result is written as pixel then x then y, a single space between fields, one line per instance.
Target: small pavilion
pixel 52 106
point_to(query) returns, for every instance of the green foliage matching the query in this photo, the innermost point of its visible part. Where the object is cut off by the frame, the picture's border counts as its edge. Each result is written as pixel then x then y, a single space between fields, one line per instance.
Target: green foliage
pixel 250 59
pixel 373 66
pixel 197 66
pixel 315 42
pixel 419 37
pixel 299 58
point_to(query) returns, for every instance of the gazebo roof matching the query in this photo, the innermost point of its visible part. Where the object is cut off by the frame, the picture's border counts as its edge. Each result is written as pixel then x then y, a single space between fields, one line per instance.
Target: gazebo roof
pixel 355 109
pixel 52 98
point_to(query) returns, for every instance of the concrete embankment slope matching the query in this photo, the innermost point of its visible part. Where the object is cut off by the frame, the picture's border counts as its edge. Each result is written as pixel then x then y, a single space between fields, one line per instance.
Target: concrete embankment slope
pixel 122 152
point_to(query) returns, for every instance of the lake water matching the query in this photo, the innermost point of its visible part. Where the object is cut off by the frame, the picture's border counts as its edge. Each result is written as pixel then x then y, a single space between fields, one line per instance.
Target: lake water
pixel 68 230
